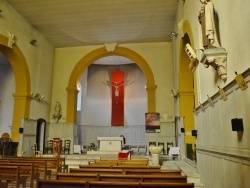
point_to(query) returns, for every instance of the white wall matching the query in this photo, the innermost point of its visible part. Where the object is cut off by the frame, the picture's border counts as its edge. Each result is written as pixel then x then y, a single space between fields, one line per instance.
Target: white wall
pixel 222 155
pixel 97 102
pixel 7 88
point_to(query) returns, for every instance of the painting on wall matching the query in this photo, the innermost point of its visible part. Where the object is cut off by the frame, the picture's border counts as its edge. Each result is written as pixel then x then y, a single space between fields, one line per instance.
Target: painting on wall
pixel 152 122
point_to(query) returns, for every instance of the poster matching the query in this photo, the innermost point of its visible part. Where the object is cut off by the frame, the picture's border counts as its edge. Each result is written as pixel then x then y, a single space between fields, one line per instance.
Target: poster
pixel 152 122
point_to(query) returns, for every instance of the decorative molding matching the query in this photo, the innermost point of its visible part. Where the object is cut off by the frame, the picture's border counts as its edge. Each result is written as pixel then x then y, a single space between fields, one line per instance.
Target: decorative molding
pixel 11 39
pixel 216 58
pixel 180 28
pixel 110 47
pixel 226 89
pixel 246 157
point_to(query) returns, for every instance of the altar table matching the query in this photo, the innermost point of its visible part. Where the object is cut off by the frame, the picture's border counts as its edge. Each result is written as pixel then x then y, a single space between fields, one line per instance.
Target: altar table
pixel 110 143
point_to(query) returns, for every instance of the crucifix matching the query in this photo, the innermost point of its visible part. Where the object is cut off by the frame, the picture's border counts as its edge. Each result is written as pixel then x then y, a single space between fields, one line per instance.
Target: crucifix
pixel 117 87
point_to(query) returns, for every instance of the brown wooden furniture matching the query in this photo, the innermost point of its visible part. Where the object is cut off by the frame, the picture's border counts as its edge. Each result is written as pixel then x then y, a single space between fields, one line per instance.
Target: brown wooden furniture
pixel 66 146
pixel 26 170
pixel 12 174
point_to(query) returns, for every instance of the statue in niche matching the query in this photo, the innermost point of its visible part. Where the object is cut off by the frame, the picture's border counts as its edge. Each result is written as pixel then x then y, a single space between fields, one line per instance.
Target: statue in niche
pixel 208 35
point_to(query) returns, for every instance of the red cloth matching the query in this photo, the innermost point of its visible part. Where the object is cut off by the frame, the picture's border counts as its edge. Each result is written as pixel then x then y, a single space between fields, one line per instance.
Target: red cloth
pixel 124 154
pixel 117 112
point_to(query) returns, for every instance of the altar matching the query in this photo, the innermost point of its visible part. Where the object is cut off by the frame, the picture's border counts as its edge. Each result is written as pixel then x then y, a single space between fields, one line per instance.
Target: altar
pixel 110 143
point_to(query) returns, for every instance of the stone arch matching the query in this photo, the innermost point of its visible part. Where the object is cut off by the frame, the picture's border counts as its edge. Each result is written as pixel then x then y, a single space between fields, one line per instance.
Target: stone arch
pixel 22 80
pixel 97 54
pixel 187 84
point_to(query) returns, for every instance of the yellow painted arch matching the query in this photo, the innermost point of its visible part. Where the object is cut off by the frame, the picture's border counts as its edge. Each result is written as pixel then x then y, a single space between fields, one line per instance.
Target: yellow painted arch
pixel 187 84
pixel 22 80
pixel 97 54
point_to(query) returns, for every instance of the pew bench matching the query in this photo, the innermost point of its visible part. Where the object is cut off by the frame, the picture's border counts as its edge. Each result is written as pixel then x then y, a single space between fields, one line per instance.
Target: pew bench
pixel 39 167
pixel 96 171
pixel 101 184
pixel 12 174
pixel 122 178
pixel 26 170
pixel 61 184
pixel 126 171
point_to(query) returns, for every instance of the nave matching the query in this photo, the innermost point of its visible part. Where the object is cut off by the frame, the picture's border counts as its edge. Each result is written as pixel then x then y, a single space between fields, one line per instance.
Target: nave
pixel 70 162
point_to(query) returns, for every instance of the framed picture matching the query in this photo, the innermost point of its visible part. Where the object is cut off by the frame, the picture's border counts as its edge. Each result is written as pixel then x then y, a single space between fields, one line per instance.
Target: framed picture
pixel 152 122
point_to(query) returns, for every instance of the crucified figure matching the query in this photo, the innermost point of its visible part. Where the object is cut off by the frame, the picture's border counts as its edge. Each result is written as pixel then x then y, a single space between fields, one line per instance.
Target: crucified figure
pixel 117 86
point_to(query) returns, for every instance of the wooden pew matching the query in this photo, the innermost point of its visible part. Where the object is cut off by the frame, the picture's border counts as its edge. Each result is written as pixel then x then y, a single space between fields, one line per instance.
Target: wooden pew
pixel 126 171
pixel 3 184
pixel 153 172
pixel 12 173
pixel 77 176
pixel 101 184
pixel 136 167
pixel 106 166
pixel 52 162
pixel 166 185
pixel 61 184
pixel 165 179
pixel 96 171
pixel 39 167
pixel 26 170
pixel 122 178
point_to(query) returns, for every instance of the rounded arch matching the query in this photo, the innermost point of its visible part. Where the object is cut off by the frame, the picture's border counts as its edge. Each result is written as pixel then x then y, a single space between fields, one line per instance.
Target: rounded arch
pixel 97 54
pixel 22 80
pixel 187 85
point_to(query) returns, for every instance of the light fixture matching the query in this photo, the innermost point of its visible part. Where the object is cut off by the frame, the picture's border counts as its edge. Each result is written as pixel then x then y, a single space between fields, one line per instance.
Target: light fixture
pixel 175 93
pixel 33 42
pixel 174 33
pixel 37 96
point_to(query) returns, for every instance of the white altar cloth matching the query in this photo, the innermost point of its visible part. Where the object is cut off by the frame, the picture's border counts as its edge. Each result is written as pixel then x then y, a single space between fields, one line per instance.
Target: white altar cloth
pixel 110 143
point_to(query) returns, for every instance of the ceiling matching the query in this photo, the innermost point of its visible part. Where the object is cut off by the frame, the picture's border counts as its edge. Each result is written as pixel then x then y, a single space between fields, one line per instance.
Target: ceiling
pixel 68 23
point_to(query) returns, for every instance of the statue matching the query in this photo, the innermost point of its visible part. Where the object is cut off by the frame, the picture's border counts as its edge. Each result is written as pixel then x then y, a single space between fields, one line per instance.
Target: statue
pixel 57 112
pixel 208 35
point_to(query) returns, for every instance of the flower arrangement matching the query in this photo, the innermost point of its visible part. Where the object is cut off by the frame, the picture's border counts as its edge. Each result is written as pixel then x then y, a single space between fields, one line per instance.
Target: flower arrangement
pixel 92 146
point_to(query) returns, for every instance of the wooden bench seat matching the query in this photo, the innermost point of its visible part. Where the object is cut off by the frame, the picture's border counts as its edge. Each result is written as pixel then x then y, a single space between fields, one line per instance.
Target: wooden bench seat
pixel 122 177
pixel 126 171
pixel 12 174
pixel 106 166
pixel 96 171
pixel 52 162
pixel 39 167
pixel 26 170
pixel 103 184
pixel 153 172
pixel 61 184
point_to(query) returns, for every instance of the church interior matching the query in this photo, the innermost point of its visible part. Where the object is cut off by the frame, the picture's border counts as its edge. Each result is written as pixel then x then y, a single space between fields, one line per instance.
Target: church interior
pixel 156 83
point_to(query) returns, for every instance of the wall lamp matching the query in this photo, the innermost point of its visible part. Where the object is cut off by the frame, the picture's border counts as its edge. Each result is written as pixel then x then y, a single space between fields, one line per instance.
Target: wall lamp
pixel 174 33
pixel 37 96
pixel 33 42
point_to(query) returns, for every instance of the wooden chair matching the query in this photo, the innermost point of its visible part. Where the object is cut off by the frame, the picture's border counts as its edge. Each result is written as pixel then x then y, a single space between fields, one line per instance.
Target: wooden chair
pixel 66 146
pixel 49 146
